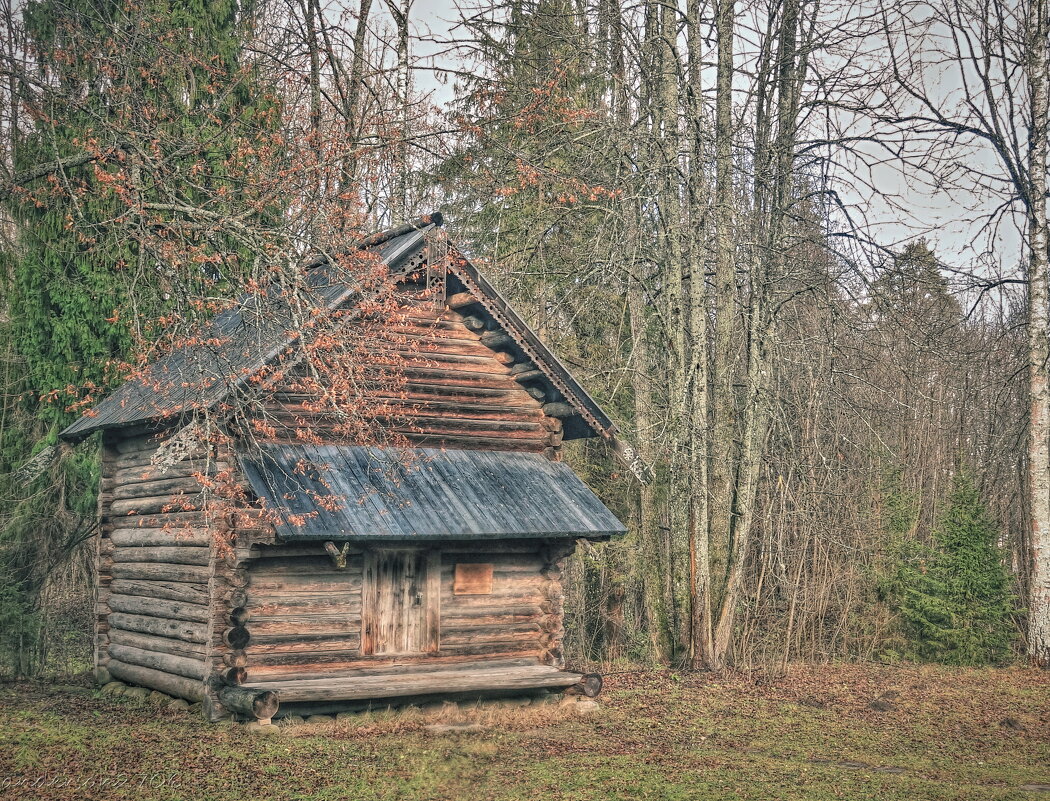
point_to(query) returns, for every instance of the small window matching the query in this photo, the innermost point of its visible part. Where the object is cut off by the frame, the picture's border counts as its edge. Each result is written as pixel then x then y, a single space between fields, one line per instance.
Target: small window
pixel 472 579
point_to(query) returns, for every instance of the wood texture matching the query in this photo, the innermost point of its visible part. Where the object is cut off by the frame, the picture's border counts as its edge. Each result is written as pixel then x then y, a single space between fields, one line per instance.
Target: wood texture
pixel 456 389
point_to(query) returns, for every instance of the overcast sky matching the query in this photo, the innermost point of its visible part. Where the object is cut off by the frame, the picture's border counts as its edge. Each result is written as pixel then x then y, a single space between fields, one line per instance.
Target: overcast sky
pixel 947 220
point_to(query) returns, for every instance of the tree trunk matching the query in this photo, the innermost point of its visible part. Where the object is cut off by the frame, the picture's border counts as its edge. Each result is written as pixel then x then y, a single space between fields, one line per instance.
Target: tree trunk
pixel 722 362
pixel 725 299
pixel 1038 342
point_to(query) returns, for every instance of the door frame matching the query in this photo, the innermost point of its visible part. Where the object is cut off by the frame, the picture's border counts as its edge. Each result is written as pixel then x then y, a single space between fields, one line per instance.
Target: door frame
pixel 431 623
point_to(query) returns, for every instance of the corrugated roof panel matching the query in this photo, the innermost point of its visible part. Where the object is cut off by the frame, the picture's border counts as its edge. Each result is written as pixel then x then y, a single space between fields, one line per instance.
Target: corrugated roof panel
pixel 359 492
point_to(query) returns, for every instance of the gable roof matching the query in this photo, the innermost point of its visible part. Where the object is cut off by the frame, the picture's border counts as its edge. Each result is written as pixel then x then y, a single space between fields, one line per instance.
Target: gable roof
pixel 239 342
pixel 331 492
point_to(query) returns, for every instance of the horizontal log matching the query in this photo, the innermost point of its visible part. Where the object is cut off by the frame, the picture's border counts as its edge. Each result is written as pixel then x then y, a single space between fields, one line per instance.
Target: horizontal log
pixel 310 564
pixel 520 407
pixel 180 686
pixel 162 627
pixel 158 607
pixel 147 471
pixel 451 388
pixel 344 662
pixel 150 537
pixel 304 605
pixel 129 507
pixel 516 647
pixel 163 645
pixel 421 683
pixel 172 521
pixel 152 571
pixel 475 635
pixel 175 554
pixel 169 487
pixel 329 625
pixel 261 647
pixel 179 665
pixel 453 362
pixel 491 615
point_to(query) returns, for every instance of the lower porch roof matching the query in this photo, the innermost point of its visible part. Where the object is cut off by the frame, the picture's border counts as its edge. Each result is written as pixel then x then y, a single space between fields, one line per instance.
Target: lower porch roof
pixel 330 492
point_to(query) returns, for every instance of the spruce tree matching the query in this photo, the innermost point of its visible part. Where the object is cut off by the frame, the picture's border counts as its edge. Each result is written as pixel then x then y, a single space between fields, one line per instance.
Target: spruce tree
pixel 957 606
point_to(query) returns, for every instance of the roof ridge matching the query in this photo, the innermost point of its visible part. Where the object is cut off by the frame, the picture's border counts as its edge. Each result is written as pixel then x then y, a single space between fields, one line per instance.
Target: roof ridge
pixel 435 218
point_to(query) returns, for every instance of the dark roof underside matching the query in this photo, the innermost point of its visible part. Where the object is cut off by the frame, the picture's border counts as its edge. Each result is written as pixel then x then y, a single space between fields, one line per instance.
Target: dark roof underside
pixel 358 492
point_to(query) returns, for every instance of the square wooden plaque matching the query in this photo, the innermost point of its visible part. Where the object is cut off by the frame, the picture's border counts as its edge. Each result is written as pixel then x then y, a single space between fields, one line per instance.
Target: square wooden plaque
pixel 472 579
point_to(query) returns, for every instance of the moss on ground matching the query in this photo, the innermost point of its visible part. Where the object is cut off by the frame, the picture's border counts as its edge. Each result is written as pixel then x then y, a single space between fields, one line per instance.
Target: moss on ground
pixel 934 733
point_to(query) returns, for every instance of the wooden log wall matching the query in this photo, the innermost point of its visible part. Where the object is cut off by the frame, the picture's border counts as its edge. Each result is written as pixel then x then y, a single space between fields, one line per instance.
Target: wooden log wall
pixel 303 615
pixel 155 555
pixel 461 388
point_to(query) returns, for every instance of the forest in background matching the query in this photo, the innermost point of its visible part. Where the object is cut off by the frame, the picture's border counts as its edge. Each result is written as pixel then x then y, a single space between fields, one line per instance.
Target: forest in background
pixel 844 443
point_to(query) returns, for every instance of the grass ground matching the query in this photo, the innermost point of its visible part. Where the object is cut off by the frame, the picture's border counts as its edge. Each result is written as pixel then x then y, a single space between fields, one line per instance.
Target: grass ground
pixel 933 733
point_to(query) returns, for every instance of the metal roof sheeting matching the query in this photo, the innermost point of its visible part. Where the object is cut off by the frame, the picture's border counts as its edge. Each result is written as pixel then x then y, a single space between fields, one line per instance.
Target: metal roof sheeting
pixel 359 492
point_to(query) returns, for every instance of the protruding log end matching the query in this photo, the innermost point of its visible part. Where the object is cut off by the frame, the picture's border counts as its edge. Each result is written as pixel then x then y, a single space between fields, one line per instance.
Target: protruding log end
pixel 257 704
pixel 558 409
pixel 460 299
pixel 237 637
pixel 589 685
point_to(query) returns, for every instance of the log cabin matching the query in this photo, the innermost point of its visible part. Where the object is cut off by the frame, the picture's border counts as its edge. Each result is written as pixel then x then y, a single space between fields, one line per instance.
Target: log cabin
pixel 436 575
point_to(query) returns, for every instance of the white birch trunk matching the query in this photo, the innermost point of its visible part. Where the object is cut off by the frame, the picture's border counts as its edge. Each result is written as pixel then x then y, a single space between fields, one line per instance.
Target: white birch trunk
pixel 1038 343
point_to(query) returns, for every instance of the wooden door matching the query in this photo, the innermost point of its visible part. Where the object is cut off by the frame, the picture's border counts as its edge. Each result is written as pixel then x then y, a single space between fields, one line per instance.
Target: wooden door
pixel 401 596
